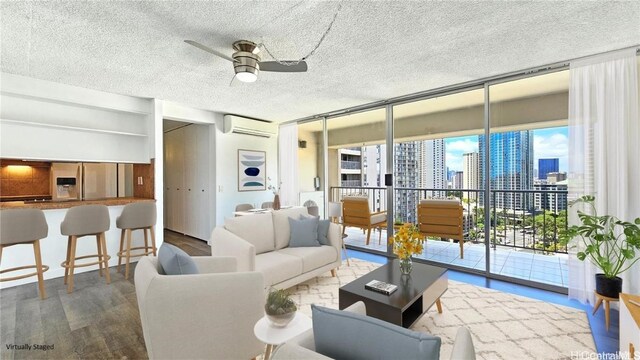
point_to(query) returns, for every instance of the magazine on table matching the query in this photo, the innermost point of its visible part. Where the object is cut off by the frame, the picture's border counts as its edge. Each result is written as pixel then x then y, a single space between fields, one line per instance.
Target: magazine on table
pixel 381 287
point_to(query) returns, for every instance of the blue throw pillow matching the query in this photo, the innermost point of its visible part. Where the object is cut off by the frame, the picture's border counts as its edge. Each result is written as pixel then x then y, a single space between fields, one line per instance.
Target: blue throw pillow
pixel 323 229
pixel 323 232
pixel 174 261
pixel 304 233
pixel 346 335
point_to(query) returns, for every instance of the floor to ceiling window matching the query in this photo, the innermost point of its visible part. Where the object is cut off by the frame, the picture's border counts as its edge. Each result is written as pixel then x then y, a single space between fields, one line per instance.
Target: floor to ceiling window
pixel 356 167
pixel 435 151
pixel 527 155
pixel 445 147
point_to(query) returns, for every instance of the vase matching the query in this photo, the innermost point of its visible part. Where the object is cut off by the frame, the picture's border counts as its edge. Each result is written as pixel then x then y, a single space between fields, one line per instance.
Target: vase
pixel 406 265
pixel 276 202
pixel 608 287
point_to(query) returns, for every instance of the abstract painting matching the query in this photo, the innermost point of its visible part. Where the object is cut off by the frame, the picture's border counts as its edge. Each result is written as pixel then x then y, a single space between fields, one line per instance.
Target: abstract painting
pixel 252 166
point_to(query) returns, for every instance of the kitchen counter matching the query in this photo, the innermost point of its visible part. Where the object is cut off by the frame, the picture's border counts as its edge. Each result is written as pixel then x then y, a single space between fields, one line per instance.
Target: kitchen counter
pixel 65 204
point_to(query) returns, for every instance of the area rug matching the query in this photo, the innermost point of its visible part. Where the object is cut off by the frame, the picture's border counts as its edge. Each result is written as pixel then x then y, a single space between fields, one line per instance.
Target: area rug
pixel 503 326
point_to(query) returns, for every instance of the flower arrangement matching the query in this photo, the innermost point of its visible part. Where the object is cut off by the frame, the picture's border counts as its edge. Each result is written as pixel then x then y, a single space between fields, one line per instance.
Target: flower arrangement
pixel 407 241
pixel 275 189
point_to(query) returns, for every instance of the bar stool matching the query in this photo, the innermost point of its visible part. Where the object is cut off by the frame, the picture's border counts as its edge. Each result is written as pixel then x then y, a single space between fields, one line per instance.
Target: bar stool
pixel 85 220
pixel 24 226
pixel 136 216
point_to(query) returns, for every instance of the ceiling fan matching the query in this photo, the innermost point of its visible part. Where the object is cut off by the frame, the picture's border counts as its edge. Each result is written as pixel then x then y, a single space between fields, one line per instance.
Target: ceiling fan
pixel 246 61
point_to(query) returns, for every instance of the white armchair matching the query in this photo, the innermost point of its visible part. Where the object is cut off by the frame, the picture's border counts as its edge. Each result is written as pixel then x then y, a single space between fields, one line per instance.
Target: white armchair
pixel 208 315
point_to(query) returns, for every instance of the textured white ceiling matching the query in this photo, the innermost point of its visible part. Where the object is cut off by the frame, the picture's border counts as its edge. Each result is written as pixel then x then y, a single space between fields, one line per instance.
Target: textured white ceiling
pixel 376 50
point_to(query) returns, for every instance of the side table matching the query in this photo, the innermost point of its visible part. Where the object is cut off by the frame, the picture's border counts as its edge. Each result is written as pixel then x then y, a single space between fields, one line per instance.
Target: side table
pixel 599 300
pixel 274 336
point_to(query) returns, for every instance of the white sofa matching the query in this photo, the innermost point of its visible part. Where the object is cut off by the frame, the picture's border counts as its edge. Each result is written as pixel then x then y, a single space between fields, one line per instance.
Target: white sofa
pixel 260 242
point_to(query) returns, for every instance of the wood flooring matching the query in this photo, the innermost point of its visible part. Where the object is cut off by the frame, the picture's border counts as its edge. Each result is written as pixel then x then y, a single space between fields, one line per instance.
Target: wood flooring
pixel 96 321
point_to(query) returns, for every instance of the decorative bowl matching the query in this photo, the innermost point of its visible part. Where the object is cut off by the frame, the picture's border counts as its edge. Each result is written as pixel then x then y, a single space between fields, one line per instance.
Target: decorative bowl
pixel 281 320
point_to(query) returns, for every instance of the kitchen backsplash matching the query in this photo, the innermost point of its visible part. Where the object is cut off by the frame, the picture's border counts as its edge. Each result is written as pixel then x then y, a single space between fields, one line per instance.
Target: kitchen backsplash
pixel 24 178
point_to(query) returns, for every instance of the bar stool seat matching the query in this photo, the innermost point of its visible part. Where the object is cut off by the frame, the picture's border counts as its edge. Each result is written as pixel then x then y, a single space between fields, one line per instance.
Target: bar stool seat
pixel 24 226
pixel 136 216
pixel 80 221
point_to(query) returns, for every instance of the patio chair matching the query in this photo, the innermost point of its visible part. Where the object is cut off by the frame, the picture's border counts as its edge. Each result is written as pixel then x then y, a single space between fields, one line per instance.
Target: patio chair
pixel 441 218
pixel 356 213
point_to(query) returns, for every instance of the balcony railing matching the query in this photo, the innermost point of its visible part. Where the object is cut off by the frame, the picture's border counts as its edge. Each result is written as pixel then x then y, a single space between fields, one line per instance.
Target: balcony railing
pixel 515 221
pixel 351 165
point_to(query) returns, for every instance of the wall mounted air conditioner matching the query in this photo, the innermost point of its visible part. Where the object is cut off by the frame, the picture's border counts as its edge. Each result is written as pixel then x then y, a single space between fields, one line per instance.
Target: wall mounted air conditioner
pixel 239 125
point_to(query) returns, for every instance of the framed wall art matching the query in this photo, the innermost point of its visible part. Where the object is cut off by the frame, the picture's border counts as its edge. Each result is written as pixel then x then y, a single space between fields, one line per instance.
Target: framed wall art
pixel 252 167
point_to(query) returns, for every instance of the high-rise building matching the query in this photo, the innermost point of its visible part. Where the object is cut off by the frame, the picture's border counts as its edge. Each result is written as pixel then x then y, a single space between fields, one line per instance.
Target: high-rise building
pixel 554 197
pixel 374 160
pixel 511 159
pixel 470 174
pixel 457 180
pixel 351 167
pixel 432 166
pixel 407 174
pixel 546 166
pixel 556 177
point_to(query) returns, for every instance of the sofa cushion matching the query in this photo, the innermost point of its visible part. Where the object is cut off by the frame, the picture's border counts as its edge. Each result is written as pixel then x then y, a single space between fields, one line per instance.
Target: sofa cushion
pixel 174 261
pixel 312 257
pixel 278 267
pixel 323 229
pixel 256 229
pixel 304 232
pixel 281 224
pixel 323 232
pixel 336 332
pixel 378 218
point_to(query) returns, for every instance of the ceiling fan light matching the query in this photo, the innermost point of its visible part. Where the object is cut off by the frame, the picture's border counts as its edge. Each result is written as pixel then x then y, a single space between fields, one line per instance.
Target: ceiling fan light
pixel 246 76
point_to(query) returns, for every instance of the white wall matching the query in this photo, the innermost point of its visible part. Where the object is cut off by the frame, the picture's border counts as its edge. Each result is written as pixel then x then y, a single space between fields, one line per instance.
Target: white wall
pixel 51 121
pixel 227 146
pixel 307 161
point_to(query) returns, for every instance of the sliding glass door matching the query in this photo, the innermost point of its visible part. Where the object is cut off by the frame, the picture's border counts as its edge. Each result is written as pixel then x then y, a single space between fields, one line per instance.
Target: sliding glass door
pixel 527 155
pixel 435 150
pixel 356 168
pixel 497 150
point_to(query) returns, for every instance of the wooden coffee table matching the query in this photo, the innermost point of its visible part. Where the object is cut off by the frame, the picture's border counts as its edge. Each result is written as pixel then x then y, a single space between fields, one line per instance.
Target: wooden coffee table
pixel 415 294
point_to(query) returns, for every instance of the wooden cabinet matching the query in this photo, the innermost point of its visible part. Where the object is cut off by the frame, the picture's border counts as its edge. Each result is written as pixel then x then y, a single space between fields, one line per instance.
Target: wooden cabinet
pixel 630 326
pixel 186 170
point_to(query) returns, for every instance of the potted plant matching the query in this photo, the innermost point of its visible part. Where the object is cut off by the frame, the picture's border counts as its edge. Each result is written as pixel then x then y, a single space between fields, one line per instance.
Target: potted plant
pixel 280 309
pixel 610 244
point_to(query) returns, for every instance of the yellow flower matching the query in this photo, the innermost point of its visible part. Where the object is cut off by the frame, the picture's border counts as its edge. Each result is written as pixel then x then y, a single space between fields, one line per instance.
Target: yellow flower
pixel 407 241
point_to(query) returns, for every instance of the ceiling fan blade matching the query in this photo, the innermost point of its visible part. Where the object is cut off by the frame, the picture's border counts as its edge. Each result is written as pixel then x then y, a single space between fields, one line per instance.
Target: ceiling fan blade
pixel 278 67
pixel 209 50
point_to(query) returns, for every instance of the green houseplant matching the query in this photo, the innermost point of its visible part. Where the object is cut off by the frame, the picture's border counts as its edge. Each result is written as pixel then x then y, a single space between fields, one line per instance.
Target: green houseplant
pixel 609 243
pixel 279 307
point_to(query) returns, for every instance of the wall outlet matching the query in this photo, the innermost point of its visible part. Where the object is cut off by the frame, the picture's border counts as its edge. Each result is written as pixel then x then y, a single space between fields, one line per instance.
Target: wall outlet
pixel 140 180
pixel 219 188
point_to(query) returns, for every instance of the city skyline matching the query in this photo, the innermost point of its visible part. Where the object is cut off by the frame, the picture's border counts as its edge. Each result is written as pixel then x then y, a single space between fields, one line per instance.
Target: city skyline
pixel 547 143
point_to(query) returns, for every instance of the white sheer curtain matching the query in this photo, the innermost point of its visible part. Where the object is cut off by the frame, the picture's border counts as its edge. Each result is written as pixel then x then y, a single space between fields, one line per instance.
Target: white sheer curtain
pixel 288 164
pixel 604 160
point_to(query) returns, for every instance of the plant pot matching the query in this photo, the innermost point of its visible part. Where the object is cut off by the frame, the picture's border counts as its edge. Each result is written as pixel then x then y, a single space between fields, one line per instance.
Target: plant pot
pixel 608 287
pixel 281 320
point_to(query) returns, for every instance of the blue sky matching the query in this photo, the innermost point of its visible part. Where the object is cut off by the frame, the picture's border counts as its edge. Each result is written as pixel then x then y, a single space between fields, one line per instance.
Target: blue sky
pixel 547 143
